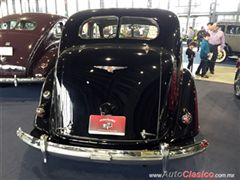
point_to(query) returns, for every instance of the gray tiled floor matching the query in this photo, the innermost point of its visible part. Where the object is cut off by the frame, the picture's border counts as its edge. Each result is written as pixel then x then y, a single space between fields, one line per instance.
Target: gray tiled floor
pixel 219 113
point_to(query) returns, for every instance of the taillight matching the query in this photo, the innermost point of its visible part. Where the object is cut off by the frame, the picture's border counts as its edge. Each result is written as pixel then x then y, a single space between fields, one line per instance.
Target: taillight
pixel 40 112
pixel 187 117
pixel 204 144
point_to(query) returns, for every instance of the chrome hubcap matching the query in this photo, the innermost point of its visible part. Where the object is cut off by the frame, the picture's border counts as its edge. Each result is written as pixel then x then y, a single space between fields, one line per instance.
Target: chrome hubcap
pixel 221 56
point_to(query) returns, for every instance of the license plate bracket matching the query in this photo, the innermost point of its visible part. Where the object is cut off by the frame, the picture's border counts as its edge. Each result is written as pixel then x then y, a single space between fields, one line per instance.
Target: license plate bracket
pixel 6 51
pixel 107 125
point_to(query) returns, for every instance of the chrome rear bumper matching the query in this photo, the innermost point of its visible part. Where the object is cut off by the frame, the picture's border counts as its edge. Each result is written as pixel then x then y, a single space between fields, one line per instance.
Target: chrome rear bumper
pixel 15 80
pixel 165 151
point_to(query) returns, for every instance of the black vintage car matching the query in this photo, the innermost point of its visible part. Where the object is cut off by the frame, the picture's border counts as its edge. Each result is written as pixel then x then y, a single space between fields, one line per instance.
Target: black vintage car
pixel 118 91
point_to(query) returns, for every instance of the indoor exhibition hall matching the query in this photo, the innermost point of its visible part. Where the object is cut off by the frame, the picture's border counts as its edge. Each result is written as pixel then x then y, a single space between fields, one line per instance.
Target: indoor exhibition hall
pixel 117 89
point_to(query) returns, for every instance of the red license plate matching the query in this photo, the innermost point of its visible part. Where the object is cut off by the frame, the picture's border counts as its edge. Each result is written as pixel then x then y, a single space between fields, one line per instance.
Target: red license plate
pixel 107 125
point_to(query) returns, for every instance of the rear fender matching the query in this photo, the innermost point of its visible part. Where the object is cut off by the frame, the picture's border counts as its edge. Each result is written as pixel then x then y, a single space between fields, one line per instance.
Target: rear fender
pixel 41 121
pixel 228 49
pixel 45 64
pixel 186 125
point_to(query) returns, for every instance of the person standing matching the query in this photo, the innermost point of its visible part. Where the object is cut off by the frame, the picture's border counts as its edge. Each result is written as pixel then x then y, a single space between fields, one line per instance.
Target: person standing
pixel 200 36
pixel 209 26
pixel 190 35
pixel 190 54
pixel 204 55
pixel 216 40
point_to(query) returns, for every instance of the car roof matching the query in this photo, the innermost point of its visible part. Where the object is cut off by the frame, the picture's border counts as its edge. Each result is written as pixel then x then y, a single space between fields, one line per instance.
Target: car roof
pixel 32 16
pixel 228 23
pixel 42 19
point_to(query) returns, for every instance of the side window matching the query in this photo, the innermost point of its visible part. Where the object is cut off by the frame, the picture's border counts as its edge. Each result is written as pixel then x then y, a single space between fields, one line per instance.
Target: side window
pixel 237 30
pixel 101 27
pixel 56 31
pixel 138 28
pixel 233 29
pixel 8 25
pixel 26 25
pixel 222 27
pixel 96 31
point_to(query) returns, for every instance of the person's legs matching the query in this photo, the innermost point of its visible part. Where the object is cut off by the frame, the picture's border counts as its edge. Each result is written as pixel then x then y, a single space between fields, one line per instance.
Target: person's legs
pixel 191 68
pixel 188 41
pixel 212 62
pixel 190 63
pixel 204 68
pixel 199 68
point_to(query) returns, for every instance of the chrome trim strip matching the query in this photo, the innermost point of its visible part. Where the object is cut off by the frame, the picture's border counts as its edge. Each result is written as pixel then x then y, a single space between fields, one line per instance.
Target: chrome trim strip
pixel 112 154
pixel 111 69
pixel 22 80
pixel 12 67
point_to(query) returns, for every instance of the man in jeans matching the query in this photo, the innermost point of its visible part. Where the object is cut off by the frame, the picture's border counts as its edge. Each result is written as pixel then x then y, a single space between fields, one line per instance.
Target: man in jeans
pixel 216 40
pixel 204 54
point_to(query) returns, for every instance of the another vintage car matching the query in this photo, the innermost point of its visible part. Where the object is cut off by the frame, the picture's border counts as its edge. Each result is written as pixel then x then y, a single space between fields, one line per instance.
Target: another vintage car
pixel 237 80
pixel 28 46
pixel 232 36
pixel 118 91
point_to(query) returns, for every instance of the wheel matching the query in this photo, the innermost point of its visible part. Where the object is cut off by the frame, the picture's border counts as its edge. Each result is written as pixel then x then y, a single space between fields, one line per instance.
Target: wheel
pixel 222 55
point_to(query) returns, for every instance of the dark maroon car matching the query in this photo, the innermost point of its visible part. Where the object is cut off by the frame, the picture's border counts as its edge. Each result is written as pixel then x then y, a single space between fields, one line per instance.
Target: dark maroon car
pixel 28 46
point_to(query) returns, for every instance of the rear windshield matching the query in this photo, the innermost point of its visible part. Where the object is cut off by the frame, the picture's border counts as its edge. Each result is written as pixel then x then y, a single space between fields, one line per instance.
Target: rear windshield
pixel 25 25
pixel 138 28
pixel 18 25
pixel 8 25
pixel 99 27
pixel 222 27
pixel 108 27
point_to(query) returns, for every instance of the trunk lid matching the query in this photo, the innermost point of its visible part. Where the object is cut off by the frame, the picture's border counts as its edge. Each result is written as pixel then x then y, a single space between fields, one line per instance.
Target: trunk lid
pixel 112 81
pixel 22 44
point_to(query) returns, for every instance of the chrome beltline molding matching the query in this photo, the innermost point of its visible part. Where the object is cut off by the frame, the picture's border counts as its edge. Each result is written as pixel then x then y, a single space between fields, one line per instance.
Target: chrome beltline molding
pixel 47 146
pixel 17 80
pixel 12 67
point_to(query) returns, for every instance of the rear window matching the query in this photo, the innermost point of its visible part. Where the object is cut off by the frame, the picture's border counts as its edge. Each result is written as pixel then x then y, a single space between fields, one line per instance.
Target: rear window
pixel 26 25
pixel 222 27
pixel 138 28
pixel 106 27
pixel 102 27
pixel 8 25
